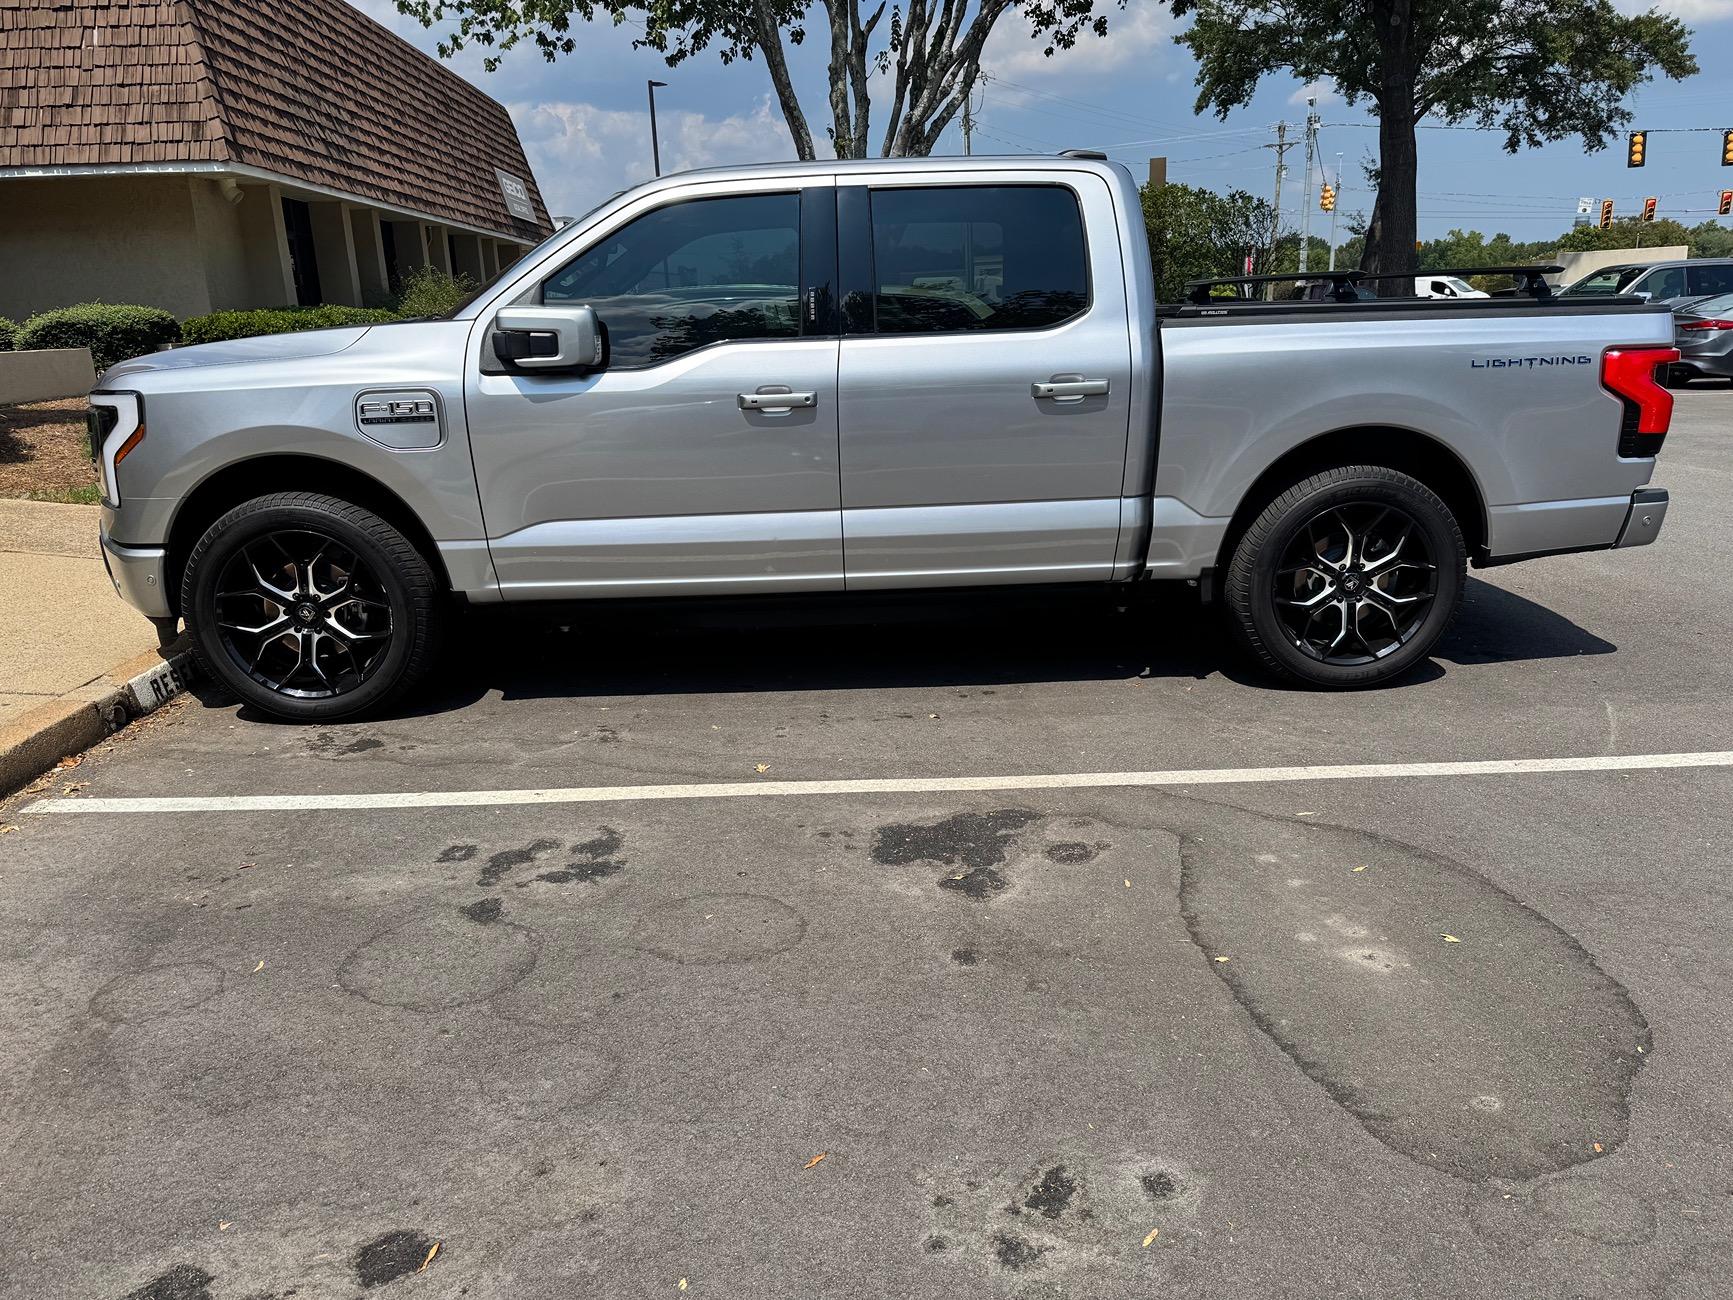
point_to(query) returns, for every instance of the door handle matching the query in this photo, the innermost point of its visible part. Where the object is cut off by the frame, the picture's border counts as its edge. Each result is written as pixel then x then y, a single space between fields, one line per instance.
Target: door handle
pixel 783 401
pixel 1059 388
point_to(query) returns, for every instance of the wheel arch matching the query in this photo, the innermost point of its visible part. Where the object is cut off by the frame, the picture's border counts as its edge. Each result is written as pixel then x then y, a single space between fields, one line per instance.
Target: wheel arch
pixel 1417 454
pixel 257 476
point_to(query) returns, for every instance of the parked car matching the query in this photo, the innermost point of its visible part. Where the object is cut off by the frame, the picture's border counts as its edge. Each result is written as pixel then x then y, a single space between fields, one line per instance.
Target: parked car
pixel 858 376
pixel 1445 286
pixel 1703 333
pixel 1664 282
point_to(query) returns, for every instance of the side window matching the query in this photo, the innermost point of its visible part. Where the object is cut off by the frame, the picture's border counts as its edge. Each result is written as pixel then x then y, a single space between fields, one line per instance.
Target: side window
pixel 691 274
pixel 971 258
pixel 1668 282
pixel 1710 279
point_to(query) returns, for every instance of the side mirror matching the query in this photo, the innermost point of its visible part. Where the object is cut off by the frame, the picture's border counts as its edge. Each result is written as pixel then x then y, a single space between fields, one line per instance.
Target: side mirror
pixel 549 338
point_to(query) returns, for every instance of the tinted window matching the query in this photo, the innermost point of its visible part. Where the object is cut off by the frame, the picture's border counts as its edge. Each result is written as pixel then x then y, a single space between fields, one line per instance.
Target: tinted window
pixel 970 258
pixel 1666 283
pixel 1710 279
pixel 681 277
pixel 1615 279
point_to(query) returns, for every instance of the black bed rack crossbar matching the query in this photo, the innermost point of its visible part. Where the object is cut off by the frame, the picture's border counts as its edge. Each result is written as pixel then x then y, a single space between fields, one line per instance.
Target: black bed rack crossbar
pixel 1532 282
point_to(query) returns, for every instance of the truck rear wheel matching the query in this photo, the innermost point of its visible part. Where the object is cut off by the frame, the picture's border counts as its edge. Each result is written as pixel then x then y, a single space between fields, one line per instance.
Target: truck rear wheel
pixel 310 608
pixel 1348 578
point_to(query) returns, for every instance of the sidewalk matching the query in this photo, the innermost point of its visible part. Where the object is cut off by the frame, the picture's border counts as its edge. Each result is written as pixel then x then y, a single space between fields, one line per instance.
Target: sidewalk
pixel 69 646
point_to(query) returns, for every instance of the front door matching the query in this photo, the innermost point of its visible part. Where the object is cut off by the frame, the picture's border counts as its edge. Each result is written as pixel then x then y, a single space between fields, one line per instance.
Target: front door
pixel 679 468
pixel 985 380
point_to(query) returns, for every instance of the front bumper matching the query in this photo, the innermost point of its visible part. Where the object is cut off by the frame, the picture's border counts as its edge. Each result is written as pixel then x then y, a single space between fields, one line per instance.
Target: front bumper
pixel 1648 513
pixel 137 574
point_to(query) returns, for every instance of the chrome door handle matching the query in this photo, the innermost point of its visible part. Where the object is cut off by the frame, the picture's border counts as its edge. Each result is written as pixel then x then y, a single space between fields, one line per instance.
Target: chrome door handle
pixel 783 401
pixel 1070 388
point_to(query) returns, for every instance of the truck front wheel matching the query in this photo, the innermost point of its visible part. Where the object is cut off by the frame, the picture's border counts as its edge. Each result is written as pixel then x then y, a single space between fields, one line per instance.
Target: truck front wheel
pixel 1348 578
pixel 310 608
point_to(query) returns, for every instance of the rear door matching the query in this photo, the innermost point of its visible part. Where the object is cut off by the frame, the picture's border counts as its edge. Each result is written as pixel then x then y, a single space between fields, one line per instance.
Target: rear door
pixel 984 381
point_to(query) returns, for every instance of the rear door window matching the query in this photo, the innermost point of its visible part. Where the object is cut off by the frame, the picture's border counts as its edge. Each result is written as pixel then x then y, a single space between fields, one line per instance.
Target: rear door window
pixel 976 258
pixel 1713 278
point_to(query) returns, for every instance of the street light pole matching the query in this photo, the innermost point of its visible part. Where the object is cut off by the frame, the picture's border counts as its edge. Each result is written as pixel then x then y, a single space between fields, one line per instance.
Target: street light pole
pixel 1333 207
pixel 655 148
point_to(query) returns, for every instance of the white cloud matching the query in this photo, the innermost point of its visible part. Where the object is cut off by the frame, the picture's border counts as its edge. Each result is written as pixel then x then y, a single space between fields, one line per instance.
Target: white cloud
pixel 581 154
pixel 1137 34
pixel 1696 11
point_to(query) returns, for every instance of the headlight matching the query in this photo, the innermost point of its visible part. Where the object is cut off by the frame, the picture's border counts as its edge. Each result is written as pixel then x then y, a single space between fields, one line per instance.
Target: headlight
pixel 116 427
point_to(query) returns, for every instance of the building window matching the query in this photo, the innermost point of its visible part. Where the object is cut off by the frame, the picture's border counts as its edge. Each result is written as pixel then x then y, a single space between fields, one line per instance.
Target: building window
pixel 388 246
pixel 298 226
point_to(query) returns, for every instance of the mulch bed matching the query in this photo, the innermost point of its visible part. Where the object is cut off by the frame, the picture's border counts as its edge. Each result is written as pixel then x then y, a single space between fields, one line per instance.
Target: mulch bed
pixel 43 453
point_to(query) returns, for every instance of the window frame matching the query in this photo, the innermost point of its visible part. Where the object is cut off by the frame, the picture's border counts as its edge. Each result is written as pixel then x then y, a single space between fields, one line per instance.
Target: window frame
pixel 857 257
pixel 815 257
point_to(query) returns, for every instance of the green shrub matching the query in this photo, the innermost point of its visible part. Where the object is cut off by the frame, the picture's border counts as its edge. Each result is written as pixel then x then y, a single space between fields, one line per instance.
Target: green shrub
pixel 428 291
pixel 220 325
pixel 112 332
pixel 8 334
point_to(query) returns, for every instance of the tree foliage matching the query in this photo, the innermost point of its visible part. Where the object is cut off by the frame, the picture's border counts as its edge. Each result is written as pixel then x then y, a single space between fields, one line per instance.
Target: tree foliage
pixel 1195 233
pixel 931 49
pixel 1535 70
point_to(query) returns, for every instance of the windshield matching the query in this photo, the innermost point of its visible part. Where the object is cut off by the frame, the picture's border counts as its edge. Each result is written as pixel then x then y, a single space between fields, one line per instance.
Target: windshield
pixel 1460 286
pixel 1609 280
pixel 1718 306
pixel 506 271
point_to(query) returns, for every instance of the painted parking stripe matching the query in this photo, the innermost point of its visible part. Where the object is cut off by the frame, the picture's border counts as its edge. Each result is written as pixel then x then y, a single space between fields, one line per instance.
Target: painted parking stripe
pixel 876 785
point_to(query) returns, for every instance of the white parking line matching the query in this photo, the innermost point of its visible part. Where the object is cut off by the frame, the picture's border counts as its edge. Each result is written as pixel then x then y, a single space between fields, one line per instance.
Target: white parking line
pixel 873 785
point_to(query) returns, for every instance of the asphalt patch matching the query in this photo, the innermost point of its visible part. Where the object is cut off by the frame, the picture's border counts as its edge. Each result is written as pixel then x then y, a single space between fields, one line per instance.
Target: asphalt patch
pixel 1159 1185
pixel 1072 853
pixel 457 853
pixel 973 840
pixel 500 864
pixel 391 1256
pixel 182 1282
pixel 979 884
pixel 1015 1253
pixel 484 912
pixel 1052 1195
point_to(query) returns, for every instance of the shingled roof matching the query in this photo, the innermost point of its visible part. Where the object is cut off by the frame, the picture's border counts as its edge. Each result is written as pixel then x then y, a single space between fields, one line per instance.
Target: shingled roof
pixel 312 91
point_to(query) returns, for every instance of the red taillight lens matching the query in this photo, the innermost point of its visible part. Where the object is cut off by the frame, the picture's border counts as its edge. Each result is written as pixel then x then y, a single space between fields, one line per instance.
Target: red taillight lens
pixel 1630 374
pixel 1707 325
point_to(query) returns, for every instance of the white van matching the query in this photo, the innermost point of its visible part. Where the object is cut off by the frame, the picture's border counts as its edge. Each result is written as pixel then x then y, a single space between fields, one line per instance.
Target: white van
pixel 1445 286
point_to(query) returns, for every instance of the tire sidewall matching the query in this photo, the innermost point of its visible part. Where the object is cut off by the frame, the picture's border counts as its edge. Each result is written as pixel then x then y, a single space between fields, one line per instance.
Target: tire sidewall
pixel 1443 539
pixel 246 524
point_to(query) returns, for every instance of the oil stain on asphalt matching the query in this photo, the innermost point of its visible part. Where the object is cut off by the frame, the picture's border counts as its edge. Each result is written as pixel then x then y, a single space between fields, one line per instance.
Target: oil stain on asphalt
pixel 391 1256
pixel 182 1282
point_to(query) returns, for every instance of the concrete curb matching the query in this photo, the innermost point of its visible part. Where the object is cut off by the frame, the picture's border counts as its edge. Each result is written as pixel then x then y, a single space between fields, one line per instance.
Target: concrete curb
pixel 81 718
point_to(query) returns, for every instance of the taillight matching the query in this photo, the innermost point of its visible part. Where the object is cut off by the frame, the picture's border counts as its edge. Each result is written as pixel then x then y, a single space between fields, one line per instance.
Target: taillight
pixel 1707 325
pixel 1633 376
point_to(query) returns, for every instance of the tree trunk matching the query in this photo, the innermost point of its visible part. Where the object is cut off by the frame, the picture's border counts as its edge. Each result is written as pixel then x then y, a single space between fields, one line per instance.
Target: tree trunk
pixel 1390 237
pixel 768 38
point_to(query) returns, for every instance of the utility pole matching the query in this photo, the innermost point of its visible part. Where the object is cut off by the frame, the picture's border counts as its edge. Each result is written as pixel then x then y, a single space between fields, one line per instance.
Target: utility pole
pixel 655 147
pixel 1333 207
pixel 968 124
pixel 1281 146
pixel 1312 121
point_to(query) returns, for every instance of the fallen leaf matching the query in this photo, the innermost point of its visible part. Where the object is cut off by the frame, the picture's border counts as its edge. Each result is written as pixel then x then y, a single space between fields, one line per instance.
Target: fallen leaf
pixel 960 875
pixel 820 1156
pixel 1221 959
pixel 248 866
pixel 1153 1234
pixel 71 761
pixel 75 787
pixel 932 715
pixel 225 1225
pixel 258 968
pixel 1359 868
pixel 431 1252
pixel 1639 1048
pixel 761 767
pixel 1128 884
pixel 1451 938
pixel 7 829
pixel 682 1284
pixel 1597 1146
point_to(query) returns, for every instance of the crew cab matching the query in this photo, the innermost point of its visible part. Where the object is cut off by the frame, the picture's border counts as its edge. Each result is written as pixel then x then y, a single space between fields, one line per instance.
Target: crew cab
pixel 857 376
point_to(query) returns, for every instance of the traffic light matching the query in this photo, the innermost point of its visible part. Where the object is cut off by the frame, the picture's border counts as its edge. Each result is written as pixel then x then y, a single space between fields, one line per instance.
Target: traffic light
pixel 1606 214
pixel 1727 148
pixel 1648 209
pixel 1327 197
pixel 1636 151
pixel 1726 208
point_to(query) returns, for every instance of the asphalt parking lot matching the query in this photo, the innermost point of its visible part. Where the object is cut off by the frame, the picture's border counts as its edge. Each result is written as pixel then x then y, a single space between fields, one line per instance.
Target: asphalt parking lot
pixel 1420 1033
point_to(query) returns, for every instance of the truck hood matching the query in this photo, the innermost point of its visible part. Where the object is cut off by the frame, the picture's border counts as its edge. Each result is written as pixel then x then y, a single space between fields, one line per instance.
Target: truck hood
pixel 268 347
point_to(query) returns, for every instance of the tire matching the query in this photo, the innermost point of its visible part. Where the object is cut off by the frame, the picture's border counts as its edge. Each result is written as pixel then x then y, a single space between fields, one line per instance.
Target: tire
pixel 1348 578
pixel 310 608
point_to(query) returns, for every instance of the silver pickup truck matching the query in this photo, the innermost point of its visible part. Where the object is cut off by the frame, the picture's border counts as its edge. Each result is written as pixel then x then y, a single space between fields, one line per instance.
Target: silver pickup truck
pixel 860 376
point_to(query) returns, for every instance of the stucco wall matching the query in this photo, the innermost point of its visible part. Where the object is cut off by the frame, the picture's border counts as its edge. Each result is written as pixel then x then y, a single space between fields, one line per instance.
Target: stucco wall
pixel 100 238
pixel 218 223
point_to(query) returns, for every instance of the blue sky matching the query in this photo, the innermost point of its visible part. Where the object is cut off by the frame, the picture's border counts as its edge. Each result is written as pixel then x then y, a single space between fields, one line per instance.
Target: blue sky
pixel 585 125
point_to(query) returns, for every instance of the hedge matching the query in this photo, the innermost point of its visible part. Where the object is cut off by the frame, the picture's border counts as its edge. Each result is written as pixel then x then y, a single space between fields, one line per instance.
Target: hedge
pixel 429 292
pixel 8 334
pixel 111 332
pixel 220 325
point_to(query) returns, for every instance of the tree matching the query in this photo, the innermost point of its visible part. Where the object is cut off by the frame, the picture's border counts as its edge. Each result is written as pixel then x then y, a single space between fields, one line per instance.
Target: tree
pixel 1626 232
pixel 1537 70
pixel 1195 233
pixel 930 48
